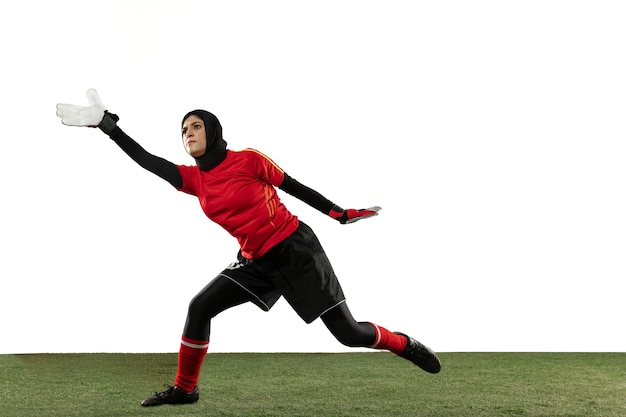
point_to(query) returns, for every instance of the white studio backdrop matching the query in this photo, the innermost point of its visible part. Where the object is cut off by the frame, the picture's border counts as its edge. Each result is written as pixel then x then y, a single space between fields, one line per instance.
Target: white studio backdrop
pixel 492 134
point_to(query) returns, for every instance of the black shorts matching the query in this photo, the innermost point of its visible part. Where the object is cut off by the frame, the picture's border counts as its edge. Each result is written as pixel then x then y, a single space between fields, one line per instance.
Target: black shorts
pixel 298 269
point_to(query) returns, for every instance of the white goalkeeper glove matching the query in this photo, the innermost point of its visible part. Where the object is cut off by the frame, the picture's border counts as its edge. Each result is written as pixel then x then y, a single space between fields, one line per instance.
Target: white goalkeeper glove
pixel 94 115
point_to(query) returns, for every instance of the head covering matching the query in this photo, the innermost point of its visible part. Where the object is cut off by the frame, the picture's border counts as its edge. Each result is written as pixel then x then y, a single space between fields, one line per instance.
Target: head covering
pixel 215 144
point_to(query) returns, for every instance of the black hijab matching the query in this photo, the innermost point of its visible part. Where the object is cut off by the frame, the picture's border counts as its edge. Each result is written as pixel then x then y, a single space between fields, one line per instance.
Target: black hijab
pixel 215 144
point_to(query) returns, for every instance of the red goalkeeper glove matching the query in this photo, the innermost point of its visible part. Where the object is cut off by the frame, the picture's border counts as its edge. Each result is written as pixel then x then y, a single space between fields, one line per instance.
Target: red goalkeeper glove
pixel 352 215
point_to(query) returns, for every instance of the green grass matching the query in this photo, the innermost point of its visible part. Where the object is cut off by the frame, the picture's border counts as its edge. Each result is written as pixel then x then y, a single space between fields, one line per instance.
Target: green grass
pixel 319 385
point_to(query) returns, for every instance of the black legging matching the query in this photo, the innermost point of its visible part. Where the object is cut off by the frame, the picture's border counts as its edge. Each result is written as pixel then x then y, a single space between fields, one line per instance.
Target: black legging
pixel 222 293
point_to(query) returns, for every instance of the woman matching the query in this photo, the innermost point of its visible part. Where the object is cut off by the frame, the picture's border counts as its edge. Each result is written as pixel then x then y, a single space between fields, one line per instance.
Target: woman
pixel 279 255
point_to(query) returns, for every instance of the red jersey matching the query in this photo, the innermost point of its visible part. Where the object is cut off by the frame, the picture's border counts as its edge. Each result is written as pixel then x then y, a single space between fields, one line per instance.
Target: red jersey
pixel 239 194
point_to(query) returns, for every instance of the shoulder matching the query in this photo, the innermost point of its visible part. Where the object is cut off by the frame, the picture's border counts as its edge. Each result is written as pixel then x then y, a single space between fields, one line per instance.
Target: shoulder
pixel 247 153
pixel 256 155
pixel 189 173
pixel 187 169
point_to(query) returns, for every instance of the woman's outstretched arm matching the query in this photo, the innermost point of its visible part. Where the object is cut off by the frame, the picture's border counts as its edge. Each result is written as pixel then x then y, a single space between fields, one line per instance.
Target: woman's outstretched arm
pixel 96 115
pixel 155 164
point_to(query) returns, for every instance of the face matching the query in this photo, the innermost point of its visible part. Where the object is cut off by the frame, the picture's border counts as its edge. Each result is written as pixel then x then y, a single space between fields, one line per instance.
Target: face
pixel 194 136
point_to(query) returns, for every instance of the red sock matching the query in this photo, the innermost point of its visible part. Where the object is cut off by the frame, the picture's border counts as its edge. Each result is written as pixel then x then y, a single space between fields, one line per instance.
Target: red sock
pixel 190 359
pixel 385 339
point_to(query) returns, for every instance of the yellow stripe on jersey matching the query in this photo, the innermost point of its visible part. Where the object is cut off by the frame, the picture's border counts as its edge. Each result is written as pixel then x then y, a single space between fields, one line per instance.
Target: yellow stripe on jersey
pixel 264 156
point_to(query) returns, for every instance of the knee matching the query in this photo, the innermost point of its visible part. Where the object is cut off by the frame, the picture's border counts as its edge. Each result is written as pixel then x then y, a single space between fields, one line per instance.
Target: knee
pixel 197 308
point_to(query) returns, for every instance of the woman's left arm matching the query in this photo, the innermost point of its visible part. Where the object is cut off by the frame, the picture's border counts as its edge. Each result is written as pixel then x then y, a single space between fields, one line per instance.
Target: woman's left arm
pixel 321 203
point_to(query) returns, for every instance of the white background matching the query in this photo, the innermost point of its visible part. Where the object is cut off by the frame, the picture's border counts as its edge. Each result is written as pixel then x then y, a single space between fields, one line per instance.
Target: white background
pixel 492 133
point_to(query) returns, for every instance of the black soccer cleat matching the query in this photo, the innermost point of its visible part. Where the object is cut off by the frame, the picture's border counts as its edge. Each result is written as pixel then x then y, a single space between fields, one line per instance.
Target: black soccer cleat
pixel 420 355
pixel 173 395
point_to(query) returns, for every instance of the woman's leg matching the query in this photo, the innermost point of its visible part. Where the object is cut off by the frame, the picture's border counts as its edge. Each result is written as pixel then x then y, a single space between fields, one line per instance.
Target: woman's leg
pixel 349 332
pixel 219 295
pixel 346 329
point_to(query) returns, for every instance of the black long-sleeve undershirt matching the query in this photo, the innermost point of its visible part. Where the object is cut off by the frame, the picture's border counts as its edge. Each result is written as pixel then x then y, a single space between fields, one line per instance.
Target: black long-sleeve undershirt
pixel 169 172
pixel 155 164
pixel 306 194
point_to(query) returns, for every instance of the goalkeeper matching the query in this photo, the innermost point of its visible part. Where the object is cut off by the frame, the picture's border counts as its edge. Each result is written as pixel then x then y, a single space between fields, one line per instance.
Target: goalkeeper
pixel 279 254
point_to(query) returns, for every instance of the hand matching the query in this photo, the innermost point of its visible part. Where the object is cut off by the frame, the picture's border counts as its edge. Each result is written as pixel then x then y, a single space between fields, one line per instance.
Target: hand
pixel 352 215
pixel 92 115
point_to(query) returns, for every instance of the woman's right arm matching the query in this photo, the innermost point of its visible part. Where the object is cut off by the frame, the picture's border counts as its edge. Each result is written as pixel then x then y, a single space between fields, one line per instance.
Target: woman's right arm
pixel 96 115
pixel 157 165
